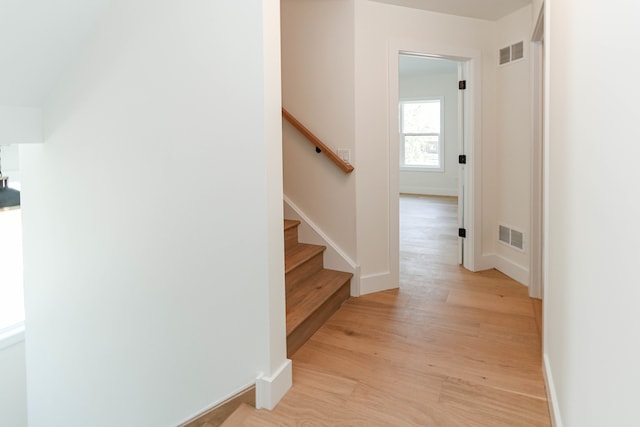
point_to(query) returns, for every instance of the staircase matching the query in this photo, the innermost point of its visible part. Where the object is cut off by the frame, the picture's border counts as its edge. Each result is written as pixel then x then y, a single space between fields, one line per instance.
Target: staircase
pixel 313 292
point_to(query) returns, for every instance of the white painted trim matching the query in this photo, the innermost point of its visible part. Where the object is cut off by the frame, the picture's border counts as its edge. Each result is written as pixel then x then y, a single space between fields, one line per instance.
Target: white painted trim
pixel 11 335
pixel 269 390
pixel 516 271
pixel 429 191
pixel 378 282
pixel 334 257
pixel 537 152
pixel 217 403
pixel 441 136
pixel 552 396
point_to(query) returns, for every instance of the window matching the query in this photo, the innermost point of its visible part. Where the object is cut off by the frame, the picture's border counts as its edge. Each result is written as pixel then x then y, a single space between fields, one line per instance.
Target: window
pixel 11 291
pixel 420 134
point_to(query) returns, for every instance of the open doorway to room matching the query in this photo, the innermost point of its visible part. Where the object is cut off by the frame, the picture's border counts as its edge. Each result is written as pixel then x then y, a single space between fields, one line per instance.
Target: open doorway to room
pixel 11 282
pixel 429 176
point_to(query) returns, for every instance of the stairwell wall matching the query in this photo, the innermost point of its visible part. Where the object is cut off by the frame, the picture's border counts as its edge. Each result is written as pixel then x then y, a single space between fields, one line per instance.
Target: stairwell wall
pixel 151 297
pixel 318 89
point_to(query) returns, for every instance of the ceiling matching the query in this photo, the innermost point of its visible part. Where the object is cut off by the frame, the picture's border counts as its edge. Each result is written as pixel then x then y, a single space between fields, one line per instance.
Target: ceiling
pixel 38 39
pixel 483 9
pixel 411 65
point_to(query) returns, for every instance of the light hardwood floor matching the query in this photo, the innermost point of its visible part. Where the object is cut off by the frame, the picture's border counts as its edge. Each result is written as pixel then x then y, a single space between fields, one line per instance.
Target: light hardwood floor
pixel 449 348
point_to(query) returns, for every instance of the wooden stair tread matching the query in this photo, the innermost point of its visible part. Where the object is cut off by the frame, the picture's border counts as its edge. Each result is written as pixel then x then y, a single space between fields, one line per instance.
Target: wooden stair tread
pixel 303 301
pixel 290 223
pixel 299 254
pixel 238 417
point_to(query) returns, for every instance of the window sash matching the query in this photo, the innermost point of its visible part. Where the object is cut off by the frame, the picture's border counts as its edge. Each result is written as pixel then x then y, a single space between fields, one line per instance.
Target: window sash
pixel 439 160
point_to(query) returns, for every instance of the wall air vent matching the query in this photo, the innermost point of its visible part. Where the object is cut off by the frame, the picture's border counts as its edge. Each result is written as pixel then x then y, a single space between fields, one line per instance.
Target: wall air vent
pixel 517 51
pixel 505 55
pixel 512 53
pixel 504 235
pixel 517 239
pixel 511 237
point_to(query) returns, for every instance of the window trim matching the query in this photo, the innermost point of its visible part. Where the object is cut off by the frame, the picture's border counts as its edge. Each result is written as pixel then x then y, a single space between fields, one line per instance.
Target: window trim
pixel 404 167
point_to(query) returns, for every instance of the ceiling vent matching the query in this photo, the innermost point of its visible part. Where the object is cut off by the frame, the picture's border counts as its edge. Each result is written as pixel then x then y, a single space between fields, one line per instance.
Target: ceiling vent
pixel 511 237
pixel 512 53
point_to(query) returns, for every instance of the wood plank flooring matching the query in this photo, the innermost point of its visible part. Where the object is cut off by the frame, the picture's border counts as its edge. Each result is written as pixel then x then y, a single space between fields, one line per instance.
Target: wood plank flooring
pixel 449 348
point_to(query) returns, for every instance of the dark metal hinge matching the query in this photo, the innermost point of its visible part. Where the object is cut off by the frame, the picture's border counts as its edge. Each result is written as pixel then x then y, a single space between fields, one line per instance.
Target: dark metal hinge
pixel 462 84
pixel 462 159
pixel 462 232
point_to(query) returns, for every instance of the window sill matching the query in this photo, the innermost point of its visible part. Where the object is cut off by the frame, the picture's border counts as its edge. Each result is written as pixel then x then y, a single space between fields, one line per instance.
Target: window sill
pixel 420 169
pixel 11 335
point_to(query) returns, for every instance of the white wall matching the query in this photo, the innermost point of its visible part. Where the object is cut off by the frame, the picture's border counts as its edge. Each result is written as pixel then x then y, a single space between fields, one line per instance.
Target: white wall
pixel 441 183
pixel 513 144
pixel 150 296
pixel 378 25
pixel 19 125
pixel 13 391
pixel 318 89
pixel 591 347
pixel 10 162
pixel 536 7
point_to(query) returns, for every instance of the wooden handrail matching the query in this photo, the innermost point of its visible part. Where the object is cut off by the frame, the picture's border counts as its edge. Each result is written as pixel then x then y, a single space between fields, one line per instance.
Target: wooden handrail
pixel 346 167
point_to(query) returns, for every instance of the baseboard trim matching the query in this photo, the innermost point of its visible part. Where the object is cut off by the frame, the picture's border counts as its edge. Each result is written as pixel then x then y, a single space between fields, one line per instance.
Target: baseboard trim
pixel 334 257
pixel 269 390
pixel 428 191
pixel 552 397
pixel 221 411
pixel 376 283
pixel 517 272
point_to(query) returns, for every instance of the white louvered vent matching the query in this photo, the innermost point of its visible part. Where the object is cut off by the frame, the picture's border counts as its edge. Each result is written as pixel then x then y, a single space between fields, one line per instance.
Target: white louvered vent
pixel 512 53
pixel 504 235
pixel 505 55
pixel 517 239
pixel 511 237
pixel 517 51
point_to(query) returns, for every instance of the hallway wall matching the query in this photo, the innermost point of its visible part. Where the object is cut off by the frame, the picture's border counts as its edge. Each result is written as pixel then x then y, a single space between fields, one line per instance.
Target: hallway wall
pixel 591 344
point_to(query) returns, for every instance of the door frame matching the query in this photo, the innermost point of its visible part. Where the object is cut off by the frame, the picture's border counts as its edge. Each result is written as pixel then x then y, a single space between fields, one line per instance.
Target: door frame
pixel 536 257
pixel 472 62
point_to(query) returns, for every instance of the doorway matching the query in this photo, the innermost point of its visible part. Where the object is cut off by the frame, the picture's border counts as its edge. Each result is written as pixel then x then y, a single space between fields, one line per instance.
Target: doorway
pixel 430 117
pixel 469 177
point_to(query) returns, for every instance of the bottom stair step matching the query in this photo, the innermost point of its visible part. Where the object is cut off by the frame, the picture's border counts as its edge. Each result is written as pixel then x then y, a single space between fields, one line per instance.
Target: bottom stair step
pixel 312 303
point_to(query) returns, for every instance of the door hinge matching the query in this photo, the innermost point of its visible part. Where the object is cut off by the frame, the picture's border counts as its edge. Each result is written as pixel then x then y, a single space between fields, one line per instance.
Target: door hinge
pixel 462 232
pixel 462 84
pixel 462 159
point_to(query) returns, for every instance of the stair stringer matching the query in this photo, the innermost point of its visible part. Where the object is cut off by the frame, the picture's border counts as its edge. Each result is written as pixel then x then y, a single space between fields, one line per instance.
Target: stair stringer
pixel 334 257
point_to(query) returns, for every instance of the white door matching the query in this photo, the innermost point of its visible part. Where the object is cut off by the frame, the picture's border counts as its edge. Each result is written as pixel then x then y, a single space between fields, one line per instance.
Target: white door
pixel 461 152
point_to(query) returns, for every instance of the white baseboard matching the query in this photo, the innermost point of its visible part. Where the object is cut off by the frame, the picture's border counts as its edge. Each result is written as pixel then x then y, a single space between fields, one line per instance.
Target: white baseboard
pixel 485 262
pixel 334 257
pixel 552 397
pixel 429 191
pixel 376 283
pixel 517 272
pixel 269 390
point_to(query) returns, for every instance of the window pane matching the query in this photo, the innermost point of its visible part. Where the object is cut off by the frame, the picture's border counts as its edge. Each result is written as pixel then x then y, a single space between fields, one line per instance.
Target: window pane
pixel 421 117
pixel 422 150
